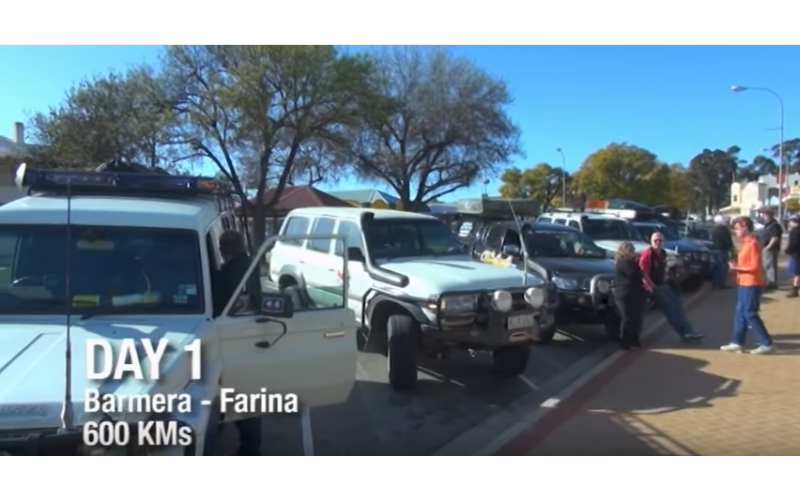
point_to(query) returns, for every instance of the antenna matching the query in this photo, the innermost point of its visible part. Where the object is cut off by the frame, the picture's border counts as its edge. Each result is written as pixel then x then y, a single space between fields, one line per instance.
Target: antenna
pixel 67 411
pixel 522 245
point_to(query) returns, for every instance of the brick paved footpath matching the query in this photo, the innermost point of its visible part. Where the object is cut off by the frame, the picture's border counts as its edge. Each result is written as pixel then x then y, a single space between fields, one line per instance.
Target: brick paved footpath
pixel 683 399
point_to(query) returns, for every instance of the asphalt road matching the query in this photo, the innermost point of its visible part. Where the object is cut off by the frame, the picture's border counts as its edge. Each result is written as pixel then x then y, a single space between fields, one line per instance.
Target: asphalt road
pixel 452 396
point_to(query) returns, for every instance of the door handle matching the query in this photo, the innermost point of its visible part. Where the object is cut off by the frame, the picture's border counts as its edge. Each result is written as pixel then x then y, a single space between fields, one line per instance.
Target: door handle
pixel 263 344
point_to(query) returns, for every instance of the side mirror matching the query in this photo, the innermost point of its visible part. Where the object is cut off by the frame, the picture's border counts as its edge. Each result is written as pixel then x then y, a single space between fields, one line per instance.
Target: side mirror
pixel 354 254
pixel 277 305
pixel 513 250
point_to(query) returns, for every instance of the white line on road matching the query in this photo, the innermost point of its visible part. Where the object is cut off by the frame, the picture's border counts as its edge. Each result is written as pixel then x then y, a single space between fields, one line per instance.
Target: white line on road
pixel 525 380
pixel 308 436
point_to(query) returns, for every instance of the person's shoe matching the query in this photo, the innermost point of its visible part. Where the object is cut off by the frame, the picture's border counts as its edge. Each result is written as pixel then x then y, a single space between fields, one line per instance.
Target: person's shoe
pixel 764 349
pixel 693 337
pixel 731 348
pixel 794 293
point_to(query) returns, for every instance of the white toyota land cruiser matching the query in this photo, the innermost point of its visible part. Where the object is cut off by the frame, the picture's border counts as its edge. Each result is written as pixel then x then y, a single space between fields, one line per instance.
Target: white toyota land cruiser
pixel 113 256
pixel 413 287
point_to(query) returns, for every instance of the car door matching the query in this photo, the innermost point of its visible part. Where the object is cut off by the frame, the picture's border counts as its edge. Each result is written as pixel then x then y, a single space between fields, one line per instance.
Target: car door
pixel 314 358
pixel 360 282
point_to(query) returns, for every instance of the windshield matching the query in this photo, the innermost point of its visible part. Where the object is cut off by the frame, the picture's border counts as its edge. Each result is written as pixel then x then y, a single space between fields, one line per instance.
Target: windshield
pixel 608 229
pixel 392 238
pixel 647 231
pixel 562 244
pixel 111 270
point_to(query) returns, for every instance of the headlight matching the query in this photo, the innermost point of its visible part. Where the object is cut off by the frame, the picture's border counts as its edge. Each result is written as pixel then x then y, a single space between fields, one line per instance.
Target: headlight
pixel 502 300
pixel 456 304
pixel 603 286
pixel 566 283
pixel 535 297
pixel 673 260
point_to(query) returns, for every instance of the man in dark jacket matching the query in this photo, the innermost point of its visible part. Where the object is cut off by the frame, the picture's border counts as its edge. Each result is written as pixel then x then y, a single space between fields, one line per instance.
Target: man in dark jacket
pixel 653 263
pixel 793 252
pixel 722 242
pixel 234 252
pixel 770 239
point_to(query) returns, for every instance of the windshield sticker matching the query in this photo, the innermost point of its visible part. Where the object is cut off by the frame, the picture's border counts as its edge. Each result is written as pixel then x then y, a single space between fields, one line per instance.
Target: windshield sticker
pixel 187 289
pixel 180 299
pixel 496 258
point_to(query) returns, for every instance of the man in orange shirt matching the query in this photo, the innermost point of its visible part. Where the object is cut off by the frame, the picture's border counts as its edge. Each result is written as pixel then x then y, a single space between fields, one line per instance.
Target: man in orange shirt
pixel 750 281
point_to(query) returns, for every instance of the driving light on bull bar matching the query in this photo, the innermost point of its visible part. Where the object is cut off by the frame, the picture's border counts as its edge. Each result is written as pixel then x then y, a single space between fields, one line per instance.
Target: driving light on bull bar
pixel 502 300
pixel 603 286
pixel 535 296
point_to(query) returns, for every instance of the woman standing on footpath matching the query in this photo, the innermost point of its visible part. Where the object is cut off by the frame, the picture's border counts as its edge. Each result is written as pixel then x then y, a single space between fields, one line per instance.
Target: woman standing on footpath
pixel 629 295
pixel 750 281
pixel 793 252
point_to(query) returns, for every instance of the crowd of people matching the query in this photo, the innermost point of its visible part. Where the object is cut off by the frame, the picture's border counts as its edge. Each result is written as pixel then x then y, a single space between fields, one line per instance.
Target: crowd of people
pixel 751 258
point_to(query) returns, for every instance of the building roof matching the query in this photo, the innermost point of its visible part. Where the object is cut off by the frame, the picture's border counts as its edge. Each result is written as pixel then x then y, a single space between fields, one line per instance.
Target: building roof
pixel 366 196
pixel 294 197
pixel 9 148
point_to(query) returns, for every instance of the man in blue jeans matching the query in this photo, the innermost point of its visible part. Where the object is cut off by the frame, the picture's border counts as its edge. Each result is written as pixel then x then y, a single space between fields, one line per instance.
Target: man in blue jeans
pixel 653 263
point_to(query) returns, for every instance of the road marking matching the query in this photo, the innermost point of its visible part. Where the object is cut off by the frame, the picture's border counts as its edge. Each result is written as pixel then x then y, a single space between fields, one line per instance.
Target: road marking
pixel 305 429
pixel 525 380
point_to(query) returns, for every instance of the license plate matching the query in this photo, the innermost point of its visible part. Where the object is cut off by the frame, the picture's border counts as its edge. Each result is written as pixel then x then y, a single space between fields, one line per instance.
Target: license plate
pixel 521 321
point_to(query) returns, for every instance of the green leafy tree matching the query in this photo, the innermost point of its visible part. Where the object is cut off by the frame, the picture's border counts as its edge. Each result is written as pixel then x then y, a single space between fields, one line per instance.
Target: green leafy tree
pixel 622 171
pixel 542 183
pixel 124 116
pixel 791 155
pixel 259 112
pixel 439 126
pixel 711 173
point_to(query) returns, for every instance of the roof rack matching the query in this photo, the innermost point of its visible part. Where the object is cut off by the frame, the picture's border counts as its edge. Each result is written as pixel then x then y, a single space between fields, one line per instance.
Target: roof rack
pixel 111 181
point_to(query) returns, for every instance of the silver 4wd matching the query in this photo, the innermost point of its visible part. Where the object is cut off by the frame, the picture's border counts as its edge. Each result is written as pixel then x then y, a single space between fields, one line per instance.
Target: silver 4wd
pixel 117 256
pixel 413 287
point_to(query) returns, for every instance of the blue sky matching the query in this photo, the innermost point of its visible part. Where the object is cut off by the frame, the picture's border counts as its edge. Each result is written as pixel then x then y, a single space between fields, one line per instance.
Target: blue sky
pixel 674 101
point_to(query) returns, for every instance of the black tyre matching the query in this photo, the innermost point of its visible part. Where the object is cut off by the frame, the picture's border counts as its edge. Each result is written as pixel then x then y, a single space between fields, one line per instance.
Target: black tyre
pixel 510 361
pixel 402 334
pixel 546 336
pixel 692 284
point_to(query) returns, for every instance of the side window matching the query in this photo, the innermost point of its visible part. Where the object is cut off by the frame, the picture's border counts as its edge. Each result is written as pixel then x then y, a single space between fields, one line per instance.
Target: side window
pixel 563 222
pixel 323 225
pixel 8 252
pixel 495 235
pixel 574 223
pixel 352 234
pixel 296 225
pixel 545 220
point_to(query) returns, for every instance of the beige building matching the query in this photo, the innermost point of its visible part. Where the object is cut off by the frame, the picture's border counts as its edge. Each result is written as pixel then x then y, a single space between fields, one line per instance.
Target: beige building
pixel 10 147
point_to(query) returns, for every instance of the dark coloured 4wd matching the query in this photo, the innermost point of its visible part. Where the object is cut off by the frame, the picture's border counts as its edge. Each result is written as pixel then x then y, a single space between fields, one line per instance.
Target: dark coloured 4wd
pixel 580 271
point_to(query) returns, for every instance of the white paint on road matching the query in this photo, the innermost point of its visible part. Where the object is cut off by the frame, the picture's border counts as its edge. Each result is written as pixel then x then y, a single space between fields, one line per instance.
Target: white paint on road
pixel 525 380
pixel 307 435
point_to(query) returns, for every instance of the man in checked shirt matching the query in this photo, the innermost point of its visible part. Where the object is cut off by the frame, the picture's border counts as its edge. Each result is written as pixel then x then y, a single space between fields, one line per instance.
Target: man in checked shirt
pixel 750 281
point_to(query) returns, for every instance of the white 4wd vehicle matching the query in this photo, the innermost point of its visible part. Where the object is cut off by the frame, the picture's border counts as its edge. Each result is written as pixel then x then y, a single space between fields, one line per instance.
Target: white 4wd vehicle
pixel 609 231
pixel 133 258
pixel 413 287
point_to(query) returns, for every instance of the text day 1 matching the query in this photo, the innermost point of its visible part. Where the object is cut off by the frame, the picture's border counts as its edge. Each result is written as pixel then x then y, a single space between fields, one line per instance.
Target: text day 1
pixel 120 359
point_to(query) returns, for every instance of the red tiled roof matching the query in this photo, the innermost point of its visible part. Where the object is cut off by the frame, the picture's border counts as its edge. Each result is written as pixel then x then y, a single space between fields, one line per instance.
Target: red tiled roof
pixel 300 197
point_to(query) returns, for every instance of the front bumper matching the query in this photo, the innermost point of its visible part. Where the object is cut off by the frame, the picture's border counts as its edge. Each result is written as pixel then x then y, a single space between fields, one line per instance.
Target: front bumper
pixel 489 328
pixel 587 305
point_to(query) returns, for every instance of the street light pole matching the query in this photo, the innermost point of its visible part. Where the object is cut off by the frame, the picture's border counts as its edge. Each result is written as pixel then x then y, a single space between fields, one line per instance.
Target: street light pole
pixel 739 88
pixel 563 177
